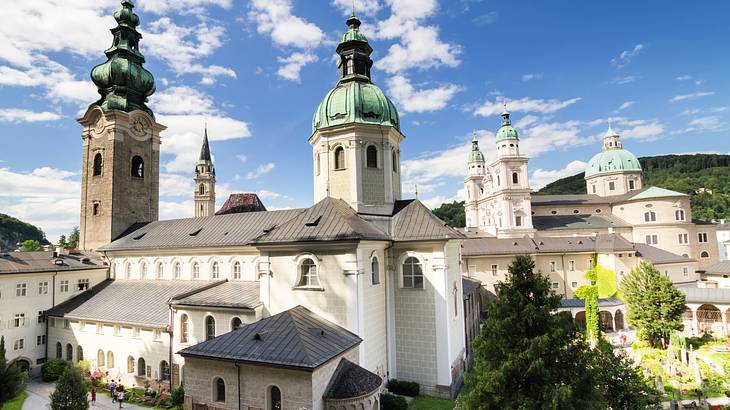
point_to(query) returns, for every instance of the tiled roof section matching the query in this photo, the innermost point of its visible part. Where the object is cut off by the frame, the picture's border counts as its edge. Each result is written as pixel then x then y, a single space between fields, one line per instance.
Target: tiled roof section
pixel 413 221
pixel 705 295
pixel 239 203
pixel 469 285
pixel 495 246
pixel 350 381
pixel 329 220
pixel 28 262
pixel 720 267
pixel 131 302
pixel 213 231
pixel 558 222
pixel 659 256
pixel 578 303
pixel 656 192
pixel 544 200
pixel 235 294
pixel 294 338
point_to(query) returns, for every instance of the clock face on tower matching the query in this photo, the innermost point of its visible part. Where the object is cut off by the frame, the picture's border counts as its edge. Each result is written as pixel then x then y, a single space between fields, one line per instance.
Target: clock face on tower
pixel 138 127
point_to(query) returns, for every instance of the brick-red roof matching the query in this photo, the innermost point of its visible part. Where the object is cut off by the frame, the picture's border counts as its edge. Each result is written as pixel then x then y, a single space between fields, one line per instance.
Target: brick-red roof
pixel 240 203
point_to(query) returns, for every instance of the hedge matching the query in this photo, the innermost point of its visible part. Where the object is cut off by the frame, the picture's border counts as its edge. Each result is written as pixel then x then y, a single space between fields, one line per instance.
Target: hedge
pixel 411 389
pixel 392 402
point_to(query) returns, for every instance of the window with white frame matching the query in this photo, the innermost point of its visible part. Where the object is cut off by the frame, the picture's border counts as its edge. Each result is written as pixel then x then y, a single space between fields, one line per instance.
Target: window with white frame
pixel 308 275
pixel 685 271
pixel 702 237
pixel 40 340
pixel 412 273
pixel 196 270
pixel 652 240
pixel 43 288
pixel 63 286
pixel 679 214
pixel 375 271
pixel 631 184
pixel 611 186
pixel 41 317
pixel 143 270
pixel 215 270
pixel 573 285
pixel 18 344
pixel 571 266
pixel 556 285
pixel 236 270
pixel 159 270
pixel 683 238
pixel 495 269
pixel 19 320
pixel 184 328
pixel 21 289
pixel 704 254
pixel 518 220
pixel 177 270
pixel 552 266
pixel 83 284
pixel 100 328
pixel 127 270
pixel 650 216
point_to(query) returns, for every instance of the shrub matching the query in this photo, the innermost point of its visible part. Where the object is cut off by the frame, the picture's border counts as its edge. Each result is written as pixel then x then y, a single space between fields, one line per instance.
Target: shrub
pixel 178 396
pixel 70 393
pixel 392 402
pixel 405 388
pixel 53 369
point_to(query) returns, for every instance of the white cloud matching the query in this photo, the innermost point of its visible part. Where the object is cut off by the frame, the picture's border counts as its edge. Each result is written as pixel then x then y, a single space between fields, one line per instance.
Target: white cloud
pixel 486 18
pixel 436 201
pixel 182 100
pixel 276 18
pixel 59 82
pixel 625 57
pixel 624 79
pixel 261 170
pixel 531 76
pixel 242 158
pixel 541 177
pixel 410 99
pixel 646 130
pixel 362 7
pixel 18 115
pixel 710 123
pixel 176 185
pixel 181 6
pixel 685 77
pixel 691 96
pixel 293 64
pixel 177 210
pixel 526 104
pixel 625 105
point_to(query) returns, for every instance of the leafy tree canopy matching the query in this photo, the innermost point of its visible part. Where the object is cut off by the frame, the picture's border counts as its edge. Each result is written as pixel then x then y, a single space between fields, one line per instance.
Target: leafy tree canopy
pixel 621 383
pixel 452 213
pixel 13 230
pixel 70 393
pixel 73 238
pixel 31 245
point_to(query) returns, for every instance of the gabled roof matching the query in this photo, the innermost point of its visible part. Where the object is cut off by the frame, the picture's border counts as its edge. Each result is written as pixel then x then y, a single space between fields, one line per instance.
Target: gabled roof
pixel 578 221
pixel 233 294
pixel 28 262
pixel 350 381
pixel 295 338
pixel 413 221
pixel 656 192
pixel 242 202
pixel 328 220
pixel 659 256
pixel 131 302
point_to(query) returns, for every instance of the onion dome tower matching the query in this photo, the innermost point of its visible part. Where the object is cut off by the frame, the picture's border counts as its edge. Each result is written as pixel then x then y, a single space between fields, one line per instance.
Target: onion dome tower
pixel 474 183
pixel 356 134
pixel 204 181
pixel 121 141
pixel 614 170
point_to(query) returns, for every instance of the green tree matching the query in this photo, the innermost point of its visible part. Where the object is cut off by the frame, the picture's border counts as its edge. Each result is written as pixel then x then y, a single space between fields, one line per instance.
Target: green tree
pixel 452 213
pixel 70 393
pixel 12 379
pixel 30 245
pixel 622 385
pixel 589 295
pixel 655 306
pixel 73 238
pixel 527 356
pixel 62 241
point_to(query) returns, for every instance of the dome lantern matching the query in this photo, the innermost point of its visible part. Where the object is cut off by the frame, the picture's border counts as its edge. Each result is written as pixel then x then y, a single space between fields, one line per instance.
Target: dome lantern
pixel 506 131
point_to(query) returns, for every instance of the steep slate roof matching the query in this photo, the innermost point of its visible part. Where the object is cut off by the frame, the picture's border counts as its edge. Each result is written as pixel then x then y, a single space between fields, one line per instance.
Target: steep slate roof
pixel 580 221
pixel 328 220
pixel 720 267
pixel 659 256
pixel 495 246
pixel 239 203
pixel 235 294
pixel 412 221
pixel 131 302
pixel 295 338
pixel 28 262
pixel 705 295
pixel 350 380
pixel 578 303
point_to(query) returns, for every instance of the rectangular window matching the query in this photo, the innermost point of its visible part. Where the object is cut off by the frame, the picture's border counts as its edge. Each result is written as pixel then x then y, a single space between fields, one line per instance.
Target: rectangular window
pixel 43 288
pixel 593 188
pixel 652 240
pixel 685 271
pixel 135 332
pixel 41 317
pixel 21 289
pixel 19 320
pixel 117 330
pixel 100 328
pixel 495 268
pixel 83 284
pixel 66 324
pixel 18 344
pixel 702 237
pixel 82 326
pixel 156 334
pixel 611 186
pixel 552 266
pixel 571 266
pixel 556 285
pixel 64 286
pixel 631 184
pixel 683 238
pixel 573 285
pixel 40 340
pixel 518 221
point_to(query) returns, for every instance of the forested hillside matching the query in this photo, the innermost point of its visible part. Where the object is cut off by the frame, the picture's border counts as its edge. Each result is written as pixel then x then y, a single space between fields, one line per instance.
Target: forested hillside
pixel 13 231
pixel 705 177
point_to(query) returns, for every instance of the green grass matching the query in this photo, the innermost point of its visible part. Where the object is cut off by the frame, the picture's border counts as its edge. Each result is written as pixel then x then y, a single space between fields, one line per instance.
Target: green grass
pixel 431 403
pixel 16 403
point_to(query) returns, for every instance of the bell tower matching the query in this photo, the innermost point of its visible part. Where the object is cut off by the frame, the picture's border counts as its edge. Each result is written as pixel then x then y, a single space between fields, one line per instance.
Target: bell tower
pixel 121 141
pixel 204 181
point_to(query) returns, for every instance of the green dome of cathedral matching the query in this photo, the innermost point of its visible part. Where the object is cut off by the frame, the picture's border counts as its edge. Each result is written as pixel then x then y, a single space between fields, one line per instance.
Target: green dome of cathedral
pixel 609 161
pixel 506 131
pixel 355 99
pixel 475 155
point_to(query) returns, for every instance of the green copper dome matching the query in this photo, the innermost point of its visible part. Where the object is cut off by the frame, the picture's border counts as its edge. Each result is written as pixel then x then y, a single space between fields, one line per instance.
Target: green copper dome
pixel 475 155
pixel 610 161
pixel 122 81
pixel 506 131
pixel 355 99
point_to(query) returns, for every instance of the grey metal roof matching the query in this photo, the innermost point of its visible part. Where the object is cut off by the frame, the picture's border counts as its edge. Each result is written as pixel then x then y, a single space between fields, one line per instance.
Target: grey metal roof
pixel 720 267
pixel 28 262
pixel 495 246
pixel 295 338
pixel 413 221
pixel 328 220
pixel 578 303
pixel 579 221
pixel 706 295
pixel 659 256
pixel 469 285
pixel 555 244
pixel 132 302
pixel 350 381
pixel 582 199
pixel 234 294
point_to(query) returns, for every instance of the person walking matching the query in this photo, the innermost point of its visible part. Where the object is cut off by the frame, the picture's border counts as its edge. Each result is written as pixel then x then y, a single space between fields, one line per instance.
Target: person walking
pixel 120 398
pixel 93 397
pixel 113 390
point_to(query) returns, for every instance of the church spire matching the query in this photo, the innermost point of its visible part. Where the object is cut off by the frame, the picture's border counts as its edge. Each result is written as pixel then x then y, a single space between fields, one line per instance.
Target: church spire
pixel 204 158
pixel 354 52
pixel 122 81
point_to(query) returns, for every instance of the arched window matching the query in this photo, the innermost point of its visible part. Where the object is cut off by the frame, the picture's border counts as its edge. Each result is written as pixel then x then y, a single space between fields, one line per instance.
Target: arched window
pixel 164 370
pixel 375 271
pixel 177 269
pixel 110 359
pixel 59 350
pixel 274 398
pixel 372 157
pixel 235 323
pixel 79 353
pixel 308 276
pixel 339 158
pixel 215 270
pixel 184 328
pixel 394 163
pixel 237 270
pixel 143 270
pixel 704 254
pixel 98 164
pixel 650 216
pixel 100 358
pixel 202 189
pixel 130 364
pixel 137 167
pixel 141 367
pixel 412 273
pixel 69 352
pixel 220 390
pixel 196 270
pixel 515 178
pixel 160 270
pixel 127 270
pixel 209 327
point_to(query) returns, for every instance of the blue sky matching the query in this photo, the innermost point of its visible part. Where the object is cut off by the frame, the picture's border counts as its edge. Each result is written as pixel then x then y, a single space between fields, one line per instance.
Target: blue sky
pixel 257 69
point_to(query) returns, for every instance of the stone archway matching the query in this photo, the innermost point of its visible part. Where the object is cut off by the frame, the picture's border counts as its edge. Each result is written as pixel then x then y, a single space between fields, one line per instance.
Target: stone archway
pixel 709 319
pixel 618 319
pixel 606 321
pixel 580 320
pixel 23 365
